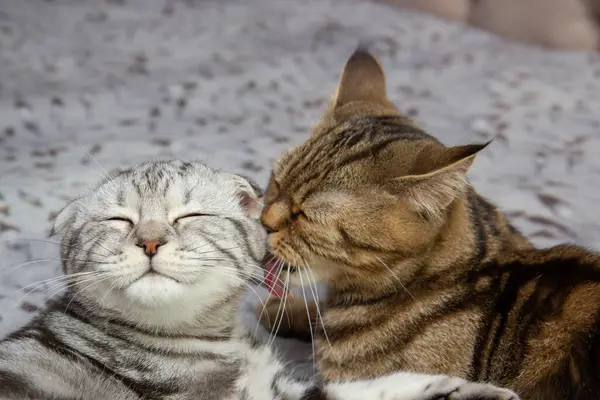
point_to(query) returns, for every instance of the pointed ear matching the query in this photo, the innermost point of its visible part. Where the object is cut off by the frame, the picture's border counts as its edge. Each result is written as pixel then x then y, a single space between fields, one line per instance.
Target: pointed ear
pixel 250 195
pixel 432 192
pixel 64 218
pixel 362 80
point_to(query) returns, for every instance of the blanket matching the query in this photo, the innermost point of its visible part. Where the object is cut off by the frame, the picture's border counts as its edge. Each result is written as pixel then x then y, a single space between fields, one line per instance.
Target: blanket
pixel 90 86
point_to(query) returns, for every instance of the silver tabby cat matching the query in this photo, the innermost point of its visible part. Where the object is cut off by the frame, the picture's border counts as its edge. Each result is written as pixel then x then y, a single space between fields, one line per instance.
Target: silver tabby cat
pixel 158 257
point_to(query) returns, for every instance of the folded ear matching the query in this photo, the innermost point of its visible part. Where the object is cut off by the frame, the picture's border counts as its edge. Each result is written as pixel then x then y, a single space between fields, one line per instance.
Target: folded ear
pixel 362 80
pixel 64 218
pixel 430 193
pixel 250 195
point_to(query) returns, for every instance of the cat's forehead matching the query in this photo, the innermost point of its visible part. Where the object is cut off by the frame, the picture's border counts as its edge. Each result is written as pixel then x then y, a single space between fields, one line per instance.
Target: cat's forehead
pixel 160 182
pixel 353 141
pixel 159 171
pixel 353 154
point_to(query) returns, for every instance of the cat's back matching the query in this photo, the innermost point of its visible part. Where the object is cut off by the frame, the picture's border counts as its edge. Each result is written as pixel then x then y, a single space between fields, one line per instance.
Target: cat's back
pixel 59 356
pixel 36 364
pixel 544 322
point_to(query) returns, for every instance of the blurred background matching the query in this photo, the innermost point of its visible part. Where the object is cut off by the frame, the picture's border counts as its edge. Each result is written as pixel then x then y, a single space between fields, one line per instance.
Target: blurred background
pixel 90 86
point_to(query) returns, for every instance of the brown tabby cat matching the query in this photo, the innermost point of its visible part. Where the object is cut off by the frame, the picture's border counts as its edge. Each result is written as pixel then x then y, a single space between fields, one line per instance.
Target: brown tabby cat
pixel 424 274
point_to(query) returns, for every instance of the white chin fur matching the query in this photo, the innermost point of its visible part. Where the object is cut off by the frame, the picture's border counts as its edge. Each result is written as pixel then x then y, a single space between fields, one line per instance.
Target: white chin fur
pixel 156 291
pixel 161 302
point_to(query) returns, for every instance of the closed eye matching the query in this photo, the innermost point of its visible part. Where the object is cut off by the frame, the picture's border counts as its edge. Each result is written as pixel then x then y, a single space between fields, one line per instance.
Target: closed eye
pixel 122 219
pixel 298 214
pixel 191 215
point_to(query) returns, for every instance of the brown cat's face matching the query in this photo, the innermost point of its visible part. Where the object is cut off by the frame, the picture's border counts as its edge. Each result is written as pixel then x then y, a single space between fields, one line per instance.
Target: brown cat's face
pixel 367 186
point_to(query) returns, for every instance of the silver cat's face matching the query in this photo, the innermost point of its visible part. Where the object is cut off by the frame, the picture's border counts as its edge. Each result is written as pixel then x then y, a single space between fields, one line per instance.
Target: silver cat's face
pixel 166 237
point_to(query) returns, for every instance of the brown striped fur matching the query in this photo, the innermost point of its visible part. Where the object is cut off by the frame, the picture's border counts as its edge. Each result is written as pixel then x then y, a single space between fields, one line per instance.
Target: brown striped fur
pixel 424 274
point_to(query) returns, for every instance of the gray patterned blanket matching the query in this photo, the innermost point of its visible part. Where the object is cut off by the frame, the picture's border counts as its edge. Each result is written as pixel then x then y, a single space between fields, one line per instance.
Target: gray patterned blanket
pixel 88 86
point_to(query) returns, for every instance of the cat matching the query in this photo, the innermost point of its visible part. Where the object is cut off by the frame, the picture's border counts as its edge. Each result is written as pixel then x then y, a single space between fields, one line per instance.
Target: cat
pixel 424 274
pixel 156 258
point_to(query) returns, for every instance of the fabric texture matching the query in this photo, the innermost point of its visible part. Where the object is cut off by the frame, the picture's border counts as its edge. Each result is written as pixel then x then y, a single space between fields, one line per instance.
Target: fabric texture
pixel 87 87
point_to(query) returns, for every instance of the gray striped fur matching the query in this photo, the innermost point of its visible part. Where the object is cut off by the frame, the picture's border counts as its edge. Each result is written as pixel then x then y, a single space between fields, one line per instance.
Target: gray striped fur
pixel 122 331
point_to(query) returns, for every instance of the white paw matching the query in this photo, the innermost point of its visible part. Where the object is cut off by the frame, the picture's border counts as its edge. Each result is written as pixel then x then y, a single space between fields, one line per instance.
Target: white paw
pixel 460 389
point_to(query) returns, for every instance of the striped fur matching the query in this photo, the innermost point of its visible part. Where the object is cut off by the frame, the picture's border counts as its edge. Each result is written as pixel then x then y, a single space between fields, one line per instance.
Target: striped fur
pixel 131 326
pixel 425 275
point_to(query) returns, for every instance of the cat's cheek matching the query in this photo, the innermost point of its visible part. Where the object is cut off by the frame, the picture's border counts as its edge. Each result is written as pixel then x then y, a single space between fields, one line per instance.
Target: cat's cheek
pixel 324 270
pixel 283 248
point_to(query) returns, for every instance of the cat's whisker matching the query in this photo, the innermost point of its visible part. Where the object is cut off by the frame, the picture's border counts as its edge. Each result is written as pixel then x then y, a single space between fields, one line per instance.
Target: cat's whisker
pixel 257 295
pixel 282 304
pixel 236 276
pixel 70 284
pixel 212 243
pixel 246 275
pixel 6 242
pixel 50 280
pixel 56 258
pixel 257 278
pixel 258 275
pixel 394 275
pixel 111 287
pixel 46 241
pixel 51 288
pixel 106 174
pixel 269 294
pixel 13 267
pixel 50 297
pixel 219 250
pixel 310 327
pixel 318 304
pixel 55 289
pixel 102 173
pixel 248 286
pixel 278 269
pixel 85 288
pixel 19 240
pixel 278 262
pixel 264 308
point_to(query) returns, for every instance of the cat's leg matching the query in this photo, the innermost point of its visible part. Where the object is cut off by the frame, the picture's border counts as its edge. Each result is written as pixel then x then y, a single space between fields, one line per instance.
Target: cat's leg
pixel 293 321
pixel 409 386
pixel 398 386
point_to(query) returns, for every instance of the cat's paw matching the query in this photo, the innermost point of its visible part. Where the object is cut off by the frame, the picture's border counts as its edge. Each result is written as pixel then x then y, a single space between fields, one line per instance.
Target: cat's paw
pixel 269 314
pixel 459 389
pixel 275 318
pixel 290 321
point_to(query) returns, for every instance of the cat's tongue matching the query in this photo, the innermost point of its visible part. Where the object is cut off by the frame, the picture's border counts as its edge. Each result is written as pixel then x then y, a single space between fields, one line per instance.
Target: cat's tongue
pixel 271 280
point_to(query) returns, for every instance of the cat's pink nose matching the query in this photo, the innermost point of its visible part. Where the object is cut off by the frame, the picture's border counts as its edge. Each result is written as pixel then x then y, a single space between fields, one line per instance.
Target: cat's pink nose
pixel 150 247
